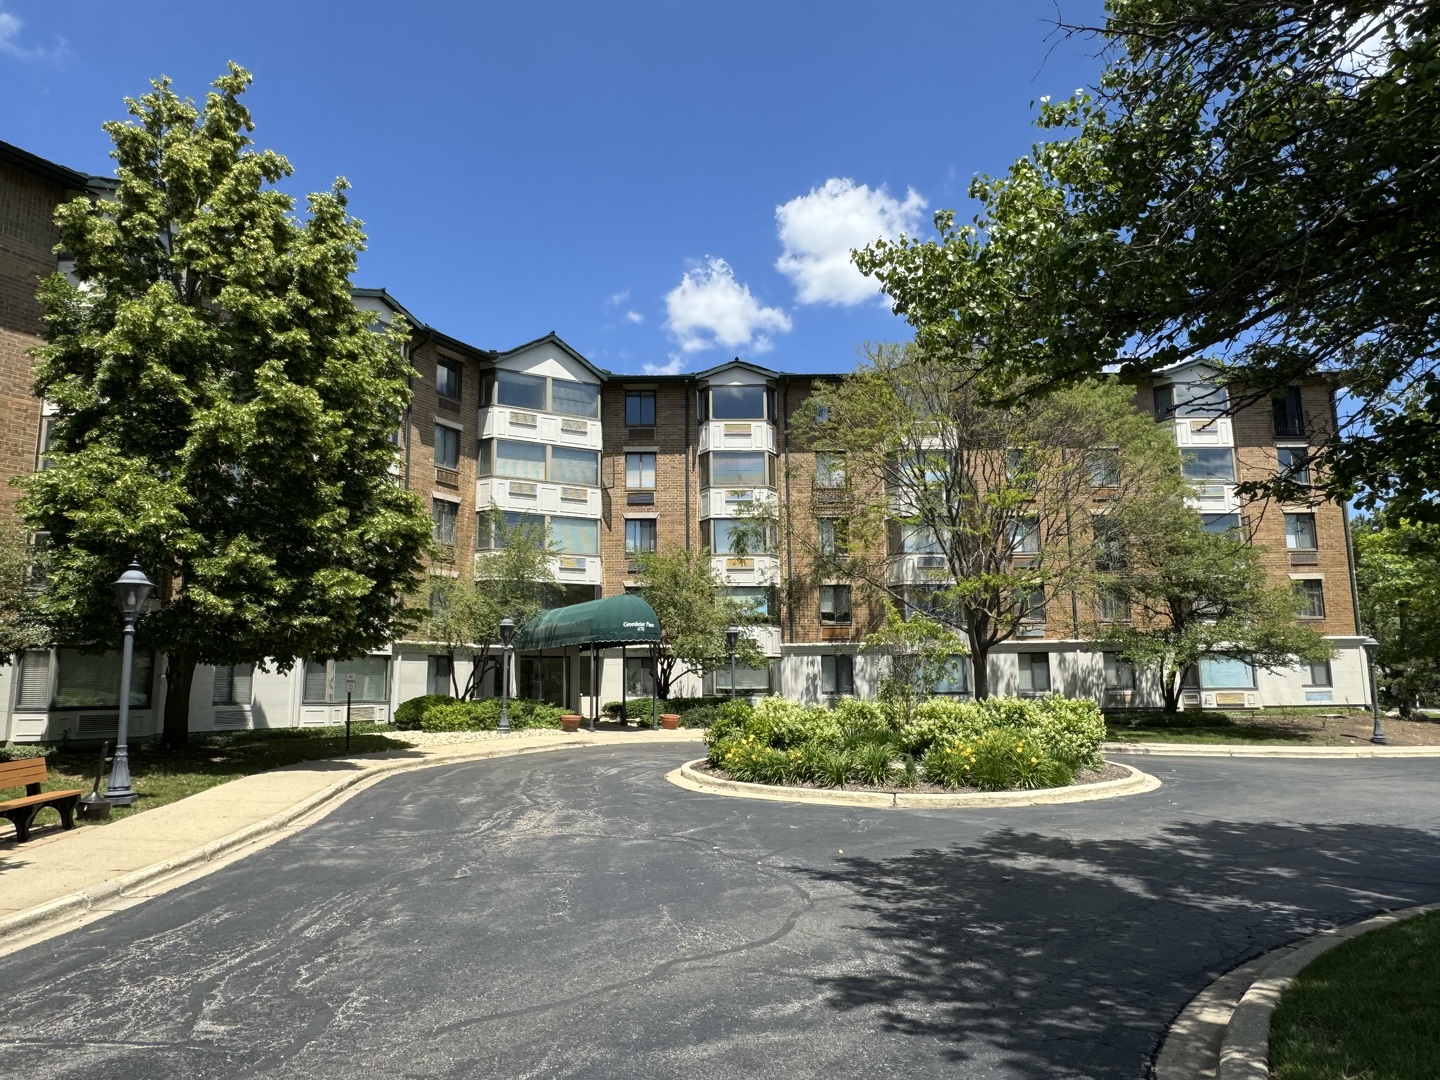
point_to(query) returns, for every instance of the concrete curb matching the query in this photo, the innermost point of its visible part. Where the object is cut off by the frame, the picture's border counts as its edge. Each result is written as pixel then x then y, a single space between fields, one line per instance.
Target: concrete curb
pixel 1240 750
pixel 1225 1030
pixel 687 776
pixel 84 900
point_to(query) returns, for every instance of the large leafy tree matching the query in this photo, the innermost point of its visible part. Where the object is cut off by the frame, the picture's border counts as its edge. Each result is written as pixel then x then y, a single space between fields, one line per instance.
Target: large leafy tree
pixel 1193 594
pixel 1251 182
pixel 1397 569
pixel 1015 504
pixel 462 612
pixel 918 652
pixel 694 612
pixel 224 410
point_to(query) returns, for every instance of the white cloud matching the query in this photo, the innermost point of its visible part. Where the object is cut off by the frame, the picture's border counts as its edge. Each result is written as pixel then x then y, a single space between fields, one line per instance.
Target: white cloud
pixel 616 299
pixel 819 230
pixel 673 366
pixel 10 27
pixel 710 309
pixel 635 317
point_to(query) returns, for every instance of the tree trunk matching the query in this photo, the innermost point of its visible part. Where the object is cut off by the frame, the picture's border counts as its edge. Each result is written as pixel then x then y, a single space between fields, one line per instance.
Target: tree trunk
pixel 980 669
pixel 179 676
pixel 664 676
pixel 1170 686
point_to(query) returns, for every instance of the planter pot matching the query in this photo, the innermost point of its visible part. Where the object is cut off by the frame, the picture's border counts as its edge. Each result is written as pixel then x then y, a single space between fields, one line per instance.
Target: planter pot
pixel 669 721
pixel 570 722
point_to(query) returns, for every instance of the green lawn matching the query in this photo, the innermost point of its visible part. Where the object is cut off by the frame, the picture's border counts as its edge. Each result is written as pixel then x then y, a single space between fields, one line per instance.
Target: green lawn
pixel 1264 726
pixel 1367 1010
pixel 211 759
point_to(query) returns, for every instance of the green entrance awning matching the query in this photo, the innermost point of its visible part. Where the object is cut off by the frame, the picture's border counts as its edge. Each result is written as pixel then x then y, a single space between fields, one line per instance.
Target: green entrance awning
pixel 616 620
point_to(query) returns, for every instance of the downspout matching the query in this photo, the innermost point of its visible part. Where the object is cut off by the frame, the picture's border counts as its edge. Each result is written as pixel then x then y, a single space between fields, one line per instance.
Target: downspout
pixel 789 546
pixel 1345 522
pixel 687 468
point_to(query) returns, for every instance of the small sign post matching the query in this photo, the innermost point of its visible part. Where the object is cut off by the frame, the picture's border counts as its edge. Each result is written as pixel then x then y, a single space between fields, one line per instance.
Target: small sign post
pixel 349 689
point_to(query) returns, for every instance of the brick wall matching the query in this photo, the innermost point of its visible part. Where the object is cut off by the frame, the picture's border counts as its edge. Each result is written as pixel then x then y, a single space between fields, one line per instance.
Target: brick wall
pixel 27 241
pixel 425 409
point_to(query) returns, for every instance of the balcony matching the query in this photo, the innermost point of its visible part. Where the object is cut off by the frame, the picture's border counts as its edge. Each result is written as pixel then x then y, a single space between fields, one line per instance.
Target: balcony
pixel 733 502
pixel 747 569
pixel 737 435
pixel 505 422
pixel 538 497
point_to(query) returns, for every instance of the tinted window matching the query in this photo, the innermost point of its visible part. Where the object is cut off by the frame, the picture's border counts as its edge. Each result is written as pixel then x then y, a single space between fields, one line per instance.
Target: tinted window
pixel 640 408
pixel 521 391
pixel 737 402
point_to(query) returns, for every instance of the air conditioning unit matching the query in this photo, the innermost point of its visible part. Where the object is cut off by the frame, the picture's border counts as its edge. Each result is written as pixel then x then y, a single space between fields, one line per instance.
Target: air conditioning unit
pixel 930 562
pixel 572 427
pixel 571 563
pixel 574 494
pixel 523 487
pixel 642 435
pixel 524 419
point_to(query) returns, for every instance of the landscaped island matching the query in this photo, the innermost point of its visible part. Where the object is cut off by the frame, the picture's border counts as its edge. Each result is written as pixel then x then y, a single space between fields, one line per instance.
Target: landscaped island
pixel 999 744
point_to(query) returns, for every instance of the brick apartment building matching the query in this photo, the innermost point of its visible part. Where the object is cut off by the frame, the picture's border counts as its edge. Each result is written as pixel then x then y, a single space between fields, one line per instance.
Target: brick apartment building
pixel 613 463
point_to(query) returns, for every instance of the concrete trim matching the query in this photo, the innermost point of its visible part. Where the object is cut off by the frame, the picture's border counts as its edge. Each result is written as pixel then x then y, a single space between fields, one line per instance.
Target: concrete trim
pixel 1224 1032
pixel 1243 750
pixel 75 905
pixel 690 778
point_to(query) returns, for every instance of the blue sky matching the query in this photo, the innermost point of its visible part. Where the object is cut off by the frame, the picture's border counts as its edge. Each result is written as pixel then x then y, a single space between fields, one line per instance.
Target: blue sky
pixel 664 184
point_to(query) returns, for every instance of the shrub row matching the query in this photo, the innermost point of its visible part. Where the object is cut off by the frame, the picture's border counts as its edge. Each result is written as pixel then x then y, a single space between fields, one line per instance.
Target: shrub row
pixel 994 745
pixel 484 715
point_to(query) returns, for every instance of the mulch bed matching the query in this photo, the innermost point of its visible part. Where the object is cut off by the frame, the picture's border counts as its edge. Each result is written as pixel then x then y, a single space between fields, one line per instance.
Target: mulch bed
pixel 1084 776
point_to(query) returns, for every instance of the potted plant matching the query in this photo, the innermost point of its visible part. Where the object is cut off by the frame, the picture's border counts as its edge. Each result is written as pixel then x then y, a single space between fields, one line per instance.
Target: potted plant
pixel 669 721
pixel 570 722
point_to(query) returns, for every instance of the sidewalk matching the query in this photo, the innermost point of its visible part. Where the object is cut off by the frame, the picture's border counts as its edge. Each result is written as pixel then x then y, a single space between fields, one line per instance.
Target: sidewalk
pixel 1267 750
pixel 62 875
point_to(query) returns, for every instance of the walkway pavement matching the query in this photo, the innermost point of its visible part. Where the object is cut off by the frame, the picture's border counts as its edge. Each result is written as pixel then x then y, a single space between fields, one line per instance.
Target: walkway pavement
pixel 61 874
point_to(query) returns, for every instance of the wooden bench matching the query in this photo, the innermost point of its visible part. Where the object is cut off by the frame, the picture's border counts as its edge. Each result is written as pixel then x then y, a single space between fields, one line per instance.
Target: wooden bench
pixel 21 812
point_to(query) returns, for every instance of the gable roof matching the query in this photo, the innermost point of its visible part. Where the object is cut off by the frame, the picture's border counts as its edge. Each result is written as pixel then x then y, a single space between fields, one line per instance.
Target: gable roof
pixel 769 373
pixel 424 331
pixel 51 172
pixel 556 340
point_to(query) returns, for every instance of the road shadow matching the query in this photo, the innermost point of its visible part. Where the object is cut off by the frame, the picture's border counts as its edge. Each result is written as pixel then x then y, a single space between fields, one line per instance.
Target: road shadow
pixel 1069 957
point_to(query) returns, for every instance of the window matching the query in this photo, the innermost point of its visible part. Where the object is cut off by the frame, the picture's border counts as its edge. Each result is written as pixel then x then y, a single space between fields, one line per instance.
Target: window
pixel 1288 414
pixel 639 676
pixel 437 677
pixel 35 680
pixel 568 466
pixel 640 408
pixel 640 472
pixel 325 679
pixel 1025 536
pixel 1319 674
pixel 737 402
pixel 1034 672
pixel 1295 463
pixel 1119 674
pixel 837 675
pixel 835 604
pixel 447 447
pixel 1109 544
pixel 757 600
pixel 519 460
pixel 233 683
pixel 1114 606
pixel 728 536
pixel 1164 402
pixel 956 679
pixel 575 536
pixel 1220 523
pixel 1300 532
pixel 747 680
pixel 1189 399
pixel 1032 606
pixel 521 391
pixel 640 534
pixel 830 471
pixel 47 433
pixel 92 680
pixel 1020 466
pixel 444 515
pixel 1210 464
pixel 447 378
pixel 574 398
pixel 728 469
pixel 487 536
pixel 834 536
pixel 926 599
pixel 919 539
pixel 1309 597
pixel 542 678
pixel 1104 468
pixel 1219 673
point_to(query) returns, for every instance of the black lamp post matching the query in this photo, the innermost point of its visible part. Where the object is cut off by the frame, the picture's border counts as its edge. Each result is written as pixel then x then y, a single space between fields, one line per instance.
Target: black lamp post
pixel 131 591
pixel 1372 649
pixel 732 637
pixel 507 634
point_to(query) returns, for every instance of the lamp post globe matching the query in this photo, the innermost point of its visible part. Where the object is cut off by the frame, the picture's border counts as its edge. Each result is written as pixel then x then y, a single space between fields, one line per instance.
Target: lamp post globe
pixel 1372 650
pixel 507 634
pixel 132 589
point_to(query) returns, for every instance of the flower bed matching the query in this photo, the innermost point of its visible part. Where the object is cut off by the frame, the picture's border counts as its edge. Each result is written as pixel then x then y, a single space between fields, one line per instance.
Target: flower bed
pixel 1000 744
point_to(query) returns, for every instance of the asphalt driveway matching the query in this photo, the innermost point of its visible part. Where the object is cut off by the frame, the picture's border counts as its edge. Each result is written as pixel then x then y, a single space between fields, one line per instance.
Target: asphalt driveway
pixel 571 914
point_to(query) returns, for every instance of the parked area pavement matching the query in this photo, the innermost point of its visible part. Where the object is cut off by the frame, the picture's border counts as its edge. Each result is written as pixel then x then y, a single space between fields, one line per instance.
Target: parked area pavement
pixel 572 914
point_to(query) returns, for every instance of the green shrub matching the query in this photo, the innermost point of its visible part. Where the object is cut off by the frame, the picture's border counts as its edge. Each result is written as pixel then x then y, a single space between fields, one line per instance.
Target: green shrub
pixel 697 716
pixel 730 720
pixel 453 716
pixel 408 713
pixel 1001 759
pixel 23 751
pixel 874 765
pixel 832 768
pixel 484 715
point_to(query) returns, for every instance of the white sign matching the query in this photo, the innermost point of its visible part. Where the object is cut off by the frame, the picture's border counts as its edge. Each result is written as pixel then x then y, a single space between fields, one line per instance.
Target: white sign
pixel 349 684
